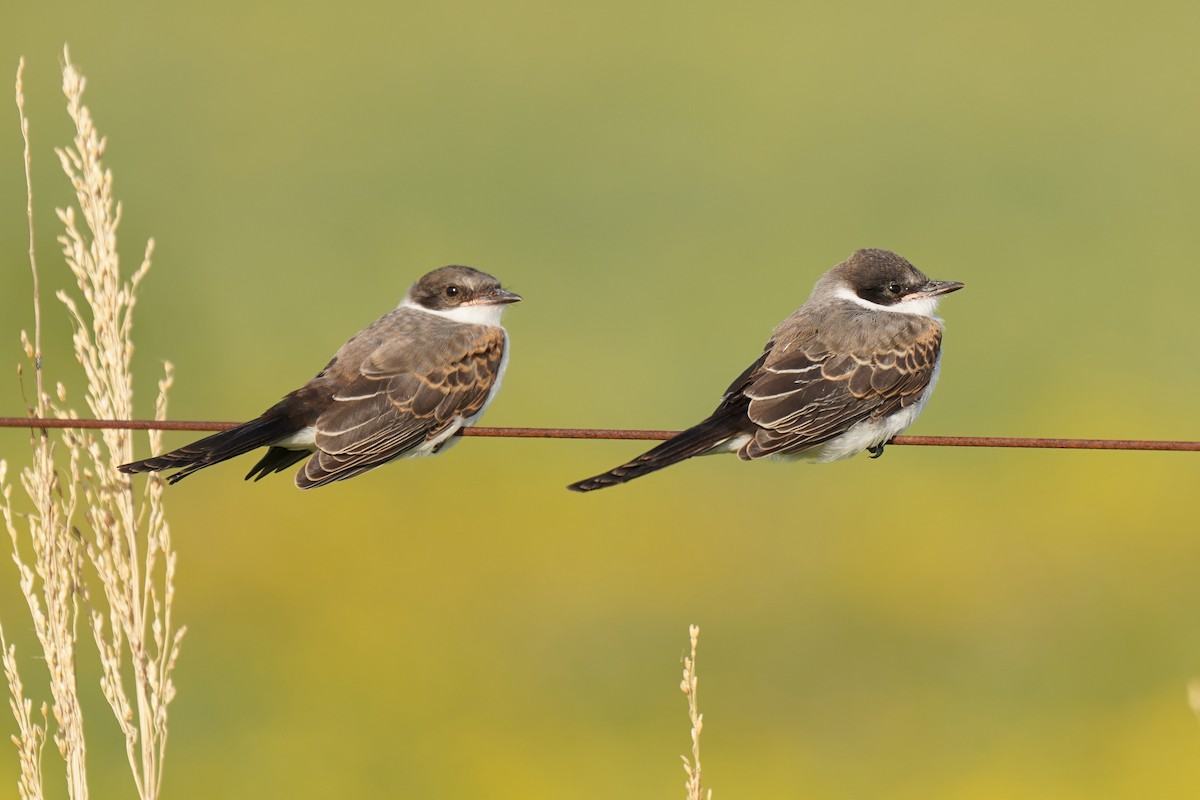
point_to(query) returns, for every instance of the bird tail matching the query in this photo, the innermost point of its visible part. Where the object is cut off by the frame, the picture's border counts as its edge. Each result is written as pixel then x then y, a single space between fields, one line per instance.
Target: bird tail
pixel 267 429
pixel 697 440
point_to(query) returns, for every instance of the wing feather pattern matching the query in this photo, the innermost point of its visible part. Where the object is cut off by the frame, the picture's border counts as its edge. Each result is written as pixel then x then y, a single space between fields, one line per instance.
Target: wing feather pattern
pixel 806 397
pixel 404 400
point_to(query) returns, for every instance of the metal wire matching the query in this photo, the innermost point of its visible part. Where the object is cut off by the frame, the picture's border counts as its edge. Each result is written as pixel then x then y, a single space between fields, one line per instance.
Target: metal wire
pixel 601 433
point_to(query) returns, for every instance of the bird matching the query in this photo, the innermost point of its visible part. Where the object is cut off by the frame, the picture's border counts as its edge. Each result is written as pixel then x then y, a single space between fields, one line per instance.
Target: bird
pixel 847 371
pixel 401 387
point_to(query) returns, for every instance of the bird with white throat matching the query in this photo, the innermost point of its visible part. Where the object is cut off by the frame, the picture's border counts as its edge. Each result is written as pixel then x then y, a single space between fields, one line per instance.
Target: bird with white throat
pixel 401 387
pixel 847 371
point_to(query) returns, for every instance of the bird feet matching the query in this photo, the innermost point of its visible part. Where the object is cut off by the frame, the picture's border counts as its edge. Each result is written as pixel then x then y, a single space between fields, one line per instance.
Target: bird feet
pixel 876 451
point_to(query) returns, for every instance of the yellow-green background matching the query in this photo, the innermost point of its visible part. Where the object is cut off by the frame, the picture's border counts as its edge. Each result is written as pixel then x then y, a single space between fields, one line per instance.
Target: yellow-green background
pixel 663 183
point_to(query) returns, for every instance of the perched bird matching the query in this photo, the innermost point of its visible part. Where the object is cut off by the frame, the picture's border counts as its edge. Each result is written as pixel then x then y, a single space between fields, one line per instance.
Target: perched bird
pixel 846 372
pixel 401 387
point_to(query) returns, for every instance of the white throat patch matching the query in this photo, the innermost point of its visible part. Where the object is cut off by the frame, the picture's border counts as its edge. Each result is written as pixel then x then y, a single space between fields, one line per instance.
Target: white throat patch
pixel 474 315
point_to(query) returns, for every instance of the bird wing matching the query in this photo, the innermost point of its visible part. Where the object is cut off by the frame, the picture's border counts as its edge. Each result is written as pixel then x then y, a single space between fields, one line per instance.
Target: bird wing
pixel 401 398
pixel 807 396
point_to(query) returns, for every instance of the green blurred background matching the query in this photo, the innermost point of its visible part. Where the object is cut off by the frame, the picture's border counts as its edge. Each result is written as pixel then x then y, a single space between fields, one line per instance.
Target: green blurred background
pixel 656 179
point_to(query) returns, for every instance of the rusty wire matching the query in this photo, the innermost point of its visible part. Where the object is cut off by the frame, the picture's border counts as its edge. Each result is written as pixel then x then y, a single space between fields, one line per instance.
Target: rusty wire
pixel 600 433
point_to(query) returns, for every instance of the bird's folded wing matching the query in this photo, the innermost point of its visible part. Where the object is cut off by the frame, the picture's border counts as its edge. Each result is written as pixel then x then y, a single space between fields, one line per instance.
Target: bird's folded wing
pixel 394 405
pixel 808 397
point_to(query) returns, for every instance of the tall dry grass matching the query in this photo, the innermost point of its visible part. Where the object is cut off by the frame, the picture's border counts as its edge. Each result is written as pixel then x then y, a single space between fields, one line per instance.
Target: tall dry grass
pixel 690 685
pixel 84 542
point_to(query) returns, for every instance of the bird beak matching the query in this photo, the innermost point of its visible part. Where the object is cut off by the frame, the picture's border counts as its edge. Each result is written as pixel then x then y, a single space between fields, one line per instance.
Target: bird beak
pixel 935 288
pixel 499 296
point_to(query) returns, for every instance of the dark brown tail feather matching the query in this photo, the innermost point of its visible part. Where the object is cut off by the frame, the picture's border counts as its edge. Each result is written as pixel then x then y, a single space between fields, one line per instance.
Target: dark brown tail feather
pixel 220 447
pixel 277 459
pixel 697 440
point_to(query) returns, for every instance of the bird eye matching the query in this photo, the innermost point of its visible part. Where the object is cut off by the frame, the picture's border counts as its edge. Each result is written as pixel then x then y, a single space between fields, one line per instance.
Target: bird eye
pixel 895 288
pixel 451 291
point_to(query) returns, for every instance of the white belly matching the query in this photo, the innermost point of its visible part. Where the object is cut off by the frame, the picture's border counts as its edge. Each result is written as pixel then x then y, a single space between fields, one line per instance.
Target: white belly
pixel 866 435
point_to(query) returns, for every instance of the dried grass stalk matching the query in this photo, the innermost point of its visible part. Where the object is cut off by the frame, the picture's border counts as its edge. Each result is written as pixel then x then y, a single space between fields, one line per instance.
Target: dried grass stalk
pixel 690 686
pixel 85 508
